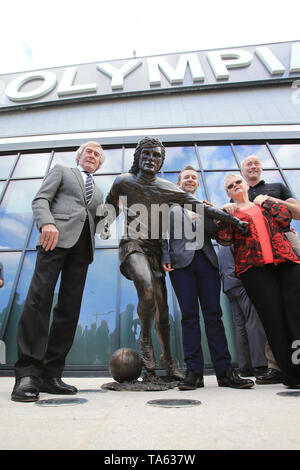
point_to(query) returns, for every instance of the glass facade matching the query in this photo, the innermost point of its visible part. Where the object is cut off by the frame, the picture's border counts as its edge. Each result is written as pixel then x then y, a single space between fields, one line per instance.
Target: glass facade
pixel 108 318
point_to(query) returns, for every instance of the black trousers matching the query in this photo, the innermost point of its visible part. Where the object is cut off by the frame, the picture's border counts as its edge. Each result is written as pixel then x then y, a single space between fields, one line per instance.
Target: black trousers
pixel 42 352
pixel 275 293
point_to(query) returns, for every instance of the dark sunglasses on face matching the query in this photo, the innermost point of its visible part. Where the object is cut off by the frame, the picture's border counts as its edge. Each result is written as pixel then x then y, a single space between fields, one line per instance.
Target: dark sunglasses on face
pixel 230 186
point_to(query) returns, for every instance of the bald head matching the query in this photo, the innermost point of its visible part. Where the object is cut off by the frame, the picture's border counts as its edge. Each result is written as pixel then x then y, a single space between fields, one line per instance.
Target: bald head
pixel 252 169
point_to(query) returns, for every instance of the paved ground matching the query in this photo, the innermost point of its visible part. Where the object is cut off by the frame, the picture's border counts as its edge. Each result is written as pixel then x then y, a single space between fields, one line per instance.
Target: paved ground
pixel 226 419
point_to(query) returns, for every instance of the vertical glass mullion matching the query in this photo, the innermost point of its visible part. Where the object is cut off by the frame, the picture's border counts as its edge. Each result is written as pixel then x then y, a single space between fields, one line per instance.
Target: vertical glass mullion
pixel 235 156
pixel 9 177
pixel 202 174
pixel 280 169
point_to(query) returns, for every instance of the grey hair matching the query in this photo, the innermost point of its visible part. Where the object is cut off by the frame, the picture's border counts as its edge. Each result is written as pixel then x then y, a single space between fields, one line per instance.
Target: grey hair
pixel 94 144
pixel 230 175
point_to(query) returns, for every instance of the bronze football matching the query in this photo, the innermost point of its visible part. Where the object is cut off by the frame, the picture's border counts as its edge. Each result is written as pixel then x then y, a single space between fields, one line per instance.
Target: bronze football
pixel 125 365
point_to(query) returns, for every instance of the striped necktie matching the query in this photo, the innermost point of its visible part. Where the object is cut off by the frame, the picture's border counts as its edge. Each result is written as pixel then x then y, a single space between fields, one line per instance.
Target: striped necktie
pixel 89 187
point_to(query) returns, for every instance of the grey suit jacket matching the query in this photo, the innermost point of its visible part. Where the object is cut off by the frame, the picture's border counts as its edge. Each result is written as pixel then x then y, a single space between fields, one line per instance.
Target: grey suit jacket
pixel 61 201
pixel 227 268
pixel 174 250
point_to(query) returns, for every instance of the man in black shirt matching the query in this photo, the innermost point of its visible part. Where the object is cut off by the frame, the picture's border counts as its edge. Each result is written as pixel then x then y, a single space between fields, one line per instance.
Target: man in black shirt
pixel 252 170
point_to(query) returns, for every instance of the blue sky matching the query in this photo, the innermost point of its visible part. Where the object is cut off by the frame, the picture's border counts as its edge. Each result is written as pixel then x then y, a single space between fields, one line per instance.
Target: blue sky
pixel 36 34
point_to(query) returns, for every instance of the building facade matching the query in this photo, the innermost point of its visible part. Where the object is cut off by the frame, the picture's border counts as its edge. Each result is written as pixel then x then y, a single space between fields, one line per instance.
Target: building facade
pixel 210 108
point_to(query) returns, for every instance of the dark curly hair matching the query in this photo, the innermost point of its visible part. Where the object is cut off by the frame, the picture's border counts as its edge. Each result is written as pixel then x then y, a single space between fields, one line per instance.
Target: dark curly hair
pixel 146 142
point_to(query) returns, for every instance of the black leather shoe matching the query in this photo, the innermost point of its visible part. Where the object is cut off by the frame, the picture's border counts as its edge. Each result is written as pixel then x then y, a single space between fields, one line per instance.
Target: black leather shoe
pixel 272 376
pixel 294 386
pixel 246 372
pixel 191 381
pixel 233 380
pixel 56 386
pixel 258 371
pixel 26 389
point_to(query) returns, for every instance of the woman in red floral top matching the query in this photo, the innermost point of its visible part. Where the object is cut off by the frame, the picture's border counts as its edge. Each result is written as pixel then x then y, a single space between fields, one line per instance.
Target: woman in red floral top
pixel 269 269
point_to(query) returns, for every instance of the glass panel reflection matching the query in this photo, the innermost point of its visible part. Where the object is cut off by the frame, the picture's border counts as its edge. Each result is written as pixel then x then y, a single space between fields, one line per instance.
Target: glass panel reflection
pixel 272 176
pixel 261 151
pixel 128 159
pixel 215 183
pixel 288 156
pixel 200 193
pixel 116 231
pixel 65 159
pixel 179 157
pixel 176 158
pixel 175 327
pixel 96 335
pixel 6 164
pixel 104 183
pixel 112 163
pixel 10 263
pixel 295 224
pixel 129 321
pixel 17 307
pixel 2 184
pixel 16 213
pixel 220 157
pixel 293 178
pixel 96 332
pixel 33 237
pixel 32 165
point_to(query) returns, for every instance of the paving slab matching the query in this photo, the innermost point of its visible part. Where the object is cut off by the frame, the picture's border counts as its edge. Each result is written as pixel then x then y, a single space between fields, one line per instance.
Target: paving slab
pixel 226 419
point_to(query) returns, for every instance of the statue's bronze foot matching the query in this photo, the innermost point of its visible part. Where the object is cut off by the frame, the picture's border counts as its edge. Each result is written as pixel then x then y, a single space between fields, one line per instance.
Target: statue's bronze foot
pixel 170 367
pixel 147 356
pixel 151 377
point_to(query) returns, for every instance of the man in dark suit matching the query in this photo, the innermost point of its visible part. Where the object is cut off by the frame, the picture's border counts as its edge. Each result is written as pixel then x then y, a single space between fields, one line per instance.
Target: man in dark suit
pixel 65 213
pixel 194 275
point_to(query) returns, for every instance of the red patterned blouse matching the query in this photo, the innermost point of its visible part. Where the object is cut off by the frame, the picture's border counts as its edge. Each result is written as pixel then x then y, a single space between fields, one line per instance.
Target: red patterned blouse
pixel 247 247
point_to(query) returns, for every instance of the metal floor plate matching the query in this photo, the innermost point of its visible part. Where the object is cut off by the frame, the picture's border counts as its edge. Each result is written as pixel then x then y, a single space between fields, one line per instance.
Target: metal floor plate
pixel 61 401
pixel 288 394
pixel 174 403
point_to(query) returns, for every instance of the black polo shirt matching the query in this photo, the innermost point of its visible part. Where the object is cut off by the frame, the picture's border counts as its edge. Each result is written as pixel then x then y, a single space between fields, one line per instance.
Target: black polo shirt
pixel 277 190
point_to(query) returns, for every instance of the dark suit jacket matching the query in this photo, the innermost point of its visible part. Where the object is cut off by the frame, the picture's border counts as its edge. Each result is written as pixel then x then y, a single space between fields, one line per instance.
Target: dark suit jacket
pixel 175 250
pixel 61 201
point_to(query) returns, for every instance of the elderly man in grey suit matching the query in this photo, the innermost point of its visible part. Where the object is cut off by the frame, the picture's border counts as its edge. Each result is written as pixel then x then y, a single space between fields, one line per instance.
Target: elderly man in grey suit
pixel 194 275
pixel 65 213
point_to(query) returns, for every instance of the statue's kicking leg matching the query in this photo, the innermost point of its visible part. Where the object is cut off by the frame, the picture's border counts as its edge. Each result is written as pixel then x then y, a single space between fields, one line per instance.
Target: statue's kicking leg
pixel 140 273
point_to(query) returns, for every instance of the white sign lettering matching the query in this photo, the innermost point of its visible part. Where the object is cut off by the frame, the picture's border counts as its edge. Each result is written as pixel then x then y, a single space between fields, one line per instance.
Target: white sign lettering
pixel 67 86
pixel 193 70
pixel 221 61
pixel 174 76
pixel 118 75
pixel 270 61
pixel 13 89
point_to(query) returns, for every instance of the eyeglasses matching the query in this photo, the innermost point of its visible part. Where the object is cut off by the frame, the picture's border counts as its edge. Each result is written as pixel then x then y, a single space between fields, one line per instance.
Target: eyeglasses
pixel 230 186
